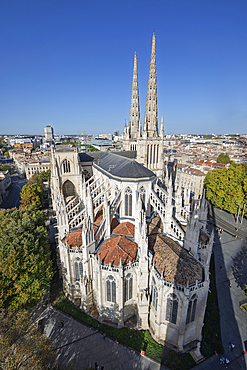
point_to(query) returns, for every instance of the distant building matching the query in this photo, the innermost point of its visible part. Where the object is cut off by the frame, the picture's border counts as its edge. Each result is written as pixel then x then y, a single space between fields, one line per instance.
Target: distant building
pixel 36 167
pixel 49 136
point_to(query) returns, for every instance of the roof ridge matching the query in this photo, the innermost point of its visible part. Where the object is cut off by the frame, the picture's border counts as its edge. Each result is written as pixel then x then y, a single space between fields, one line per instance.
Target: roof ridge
pixel 122 248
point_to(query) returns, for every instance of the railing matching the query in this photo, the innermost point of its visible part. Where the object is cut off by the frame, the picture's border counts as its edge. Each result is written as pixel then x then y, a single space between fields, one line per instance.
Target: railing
pixel 77 220
pixel 176 230
pixel 161 193
pixel 71 202
pixel 157 204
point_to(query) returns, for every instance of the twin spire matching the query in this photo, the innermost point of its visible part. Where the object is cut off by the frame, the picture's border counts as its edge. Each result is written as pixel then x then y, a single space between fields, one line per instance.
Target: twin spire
pixel 150 128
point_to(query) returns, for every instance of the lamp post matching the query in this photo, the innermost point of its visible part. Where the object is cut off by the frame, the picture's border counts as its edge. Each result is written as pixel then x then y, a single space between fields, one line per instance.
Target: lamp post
pixel 238 211
pixel 243 213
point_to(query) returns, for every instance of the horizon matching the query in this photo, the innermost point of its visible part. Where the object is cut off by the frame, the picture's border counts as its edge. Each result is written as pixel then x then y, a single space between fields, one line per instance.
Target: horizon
pixel 70 66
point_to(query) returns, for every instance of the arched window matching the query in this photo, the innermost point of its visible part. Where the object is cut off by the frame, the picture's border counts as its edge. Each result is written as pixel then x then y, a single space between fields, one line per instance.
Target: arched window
pixel 172 308
pixel 191 309
pixel 154 295
pixel 66 166
pixel 78 269
pixel 142 196
pixel 110 289
pixel 128 287
pixel 128 202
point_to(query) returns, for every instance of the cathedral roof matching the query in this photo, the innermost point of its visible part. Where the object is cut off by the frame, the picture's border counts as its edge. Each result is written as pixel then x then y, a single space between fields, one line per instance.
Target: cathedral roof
pixel 74 239
pixel 118 251
pixel 119 167
pixel 174 262
pixel 125 228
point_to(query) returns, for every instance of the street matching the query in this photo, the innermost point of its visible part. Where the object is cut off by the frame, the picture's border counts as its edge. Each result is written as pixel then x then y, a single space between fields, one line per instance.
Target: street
pixel 13 199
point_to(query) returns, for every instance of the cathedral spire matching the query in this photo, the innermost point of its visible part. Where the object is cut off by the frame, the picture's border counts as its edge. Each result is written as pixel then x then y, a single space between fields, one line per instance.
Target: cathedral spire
pixel 151 111
pixel 134 121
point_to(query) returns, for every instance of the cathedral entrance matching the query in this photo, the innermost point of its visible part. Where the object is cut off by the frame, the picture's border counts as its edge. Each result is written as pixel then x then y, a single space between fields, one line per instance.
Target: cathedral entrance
pixel 68 191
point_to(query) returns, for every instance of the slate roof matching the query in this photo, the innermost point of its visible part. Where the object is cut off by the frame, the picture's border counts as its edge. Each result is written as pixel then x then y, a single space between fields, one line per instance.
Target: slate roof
pixel 174 262
pixel 125 228
pixel 118 250
pixel 93 156
pixel 118 166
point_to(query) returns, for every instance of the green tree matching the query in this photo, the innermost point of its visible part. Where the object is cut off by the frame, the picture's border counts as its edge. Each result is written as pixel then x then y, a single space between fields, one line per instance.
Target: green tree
pixel 224 187
pixel 25 265
pixel 223 158
pixel 32 195
pixel 22 345
pixel 5 167
pixel 33 192
pixel 46 175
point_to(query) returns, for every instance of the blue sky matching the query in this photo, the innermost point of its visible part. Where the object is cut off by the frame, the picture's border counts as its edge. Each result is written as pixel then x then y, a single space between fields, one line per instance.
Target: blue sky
pixel 69 64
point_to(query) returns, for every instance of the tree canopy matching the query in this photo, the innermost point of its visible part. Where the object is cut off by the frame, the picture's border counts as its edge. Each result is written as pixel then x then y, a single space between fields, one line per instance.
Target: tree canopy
pixel 5 167
pixel 33 192
pixel 224 187
pixel 223 158
pixel 23 346
pixel 25 265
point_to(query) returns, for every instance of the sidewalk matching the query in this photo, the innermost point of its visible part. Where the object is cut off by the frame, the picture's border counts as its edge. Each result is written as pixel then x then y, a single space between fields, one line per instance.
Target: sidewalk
pixel 231 254
pixel 82 346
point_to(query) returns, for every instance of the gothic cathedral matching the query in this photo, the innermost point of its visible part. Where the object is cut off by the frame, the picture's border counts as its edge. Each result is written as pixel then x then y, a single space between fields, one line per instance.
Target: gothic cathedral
pixel 131 251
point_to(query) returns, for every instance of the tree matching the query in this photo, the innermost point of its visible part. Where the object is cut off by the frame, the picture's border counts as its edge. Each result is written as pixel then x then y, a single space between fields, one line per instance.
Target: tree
pixel 25 265
pixel 46 175
pixel 33 192
pixel 4 167
pixel 223 158
pixel 224 187
pixel 23 346
pixel 32 195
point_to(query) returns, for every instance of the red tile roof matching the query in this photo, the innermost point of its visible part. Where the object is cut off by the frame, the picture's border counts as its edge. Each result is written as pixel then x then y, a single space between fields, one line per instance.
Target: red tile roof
pixel 114 223
pixel 74 239
pixel 126 228
pixel 118 250
pixel 99 214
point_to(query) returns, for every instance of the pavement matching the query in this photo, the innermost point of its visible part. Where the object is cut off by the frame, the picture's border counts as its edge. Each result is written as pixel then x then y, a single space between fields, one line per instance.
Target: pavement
pixel 81 346
pixel 231 254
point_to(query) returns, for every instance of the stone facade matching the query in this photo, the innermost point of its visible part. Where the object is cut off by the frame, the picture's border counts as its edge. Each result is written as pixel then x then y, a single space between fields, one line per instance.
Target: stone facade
pixel 147 143
pixel 124 254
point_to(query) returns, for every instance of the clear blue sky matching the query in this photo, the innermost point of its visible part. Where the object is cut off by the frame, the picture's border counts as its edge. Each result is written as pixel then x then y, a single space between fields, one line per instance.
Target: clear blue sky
pixel 69 64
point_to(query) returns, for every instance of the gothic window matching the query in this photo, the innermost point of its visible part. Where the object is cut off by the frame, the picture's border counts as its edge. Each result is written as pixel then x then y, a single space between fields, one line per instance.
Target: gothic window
pixel 154 295
pixel 78 269
pixel 172 308
pixel 191 309
pixel 142 196
pixel 128 287
pixel 110 289
pixel 128 202
pixel 69 189
pixel 66 166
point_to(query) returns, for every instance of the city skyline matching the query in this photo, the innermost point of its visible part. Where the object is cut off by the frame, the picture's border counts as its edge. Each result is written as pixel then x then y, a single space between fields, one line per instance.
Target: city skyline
pixel 70 66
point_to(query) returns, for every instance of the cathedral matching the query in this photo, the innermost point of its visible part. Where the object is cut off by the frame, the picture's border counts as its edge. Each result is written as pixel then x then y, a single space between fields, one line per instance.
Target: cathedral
pixel 132 250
